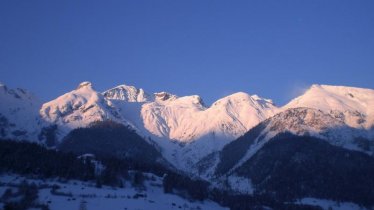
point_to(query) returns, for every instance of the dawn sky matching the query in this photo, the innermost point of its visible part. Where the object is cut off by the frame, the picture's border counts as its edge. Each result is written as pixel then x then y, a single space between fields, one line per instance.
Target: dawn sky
pixel 208 47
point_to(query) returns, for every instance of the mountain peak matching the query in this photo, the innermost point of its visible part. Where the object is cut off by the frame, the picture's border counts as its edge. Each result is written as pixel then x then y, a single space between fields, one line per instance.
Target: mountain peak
pixel 350 102
pixel 317 86
pixel 239 96
pixel 165 96
pixel 78 108
pixel 262 100
pixel 128 93
pixel 84 85
pixel 18 93
pixel 3 87
pixel 19 113
pixel 196 99
pixel 243 97
pixel 338 89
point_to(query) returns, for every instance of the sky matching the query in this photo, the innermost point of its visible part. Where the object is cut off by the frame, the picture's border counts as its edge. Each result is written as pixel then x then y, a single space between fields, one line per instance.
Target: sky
pixel 212 48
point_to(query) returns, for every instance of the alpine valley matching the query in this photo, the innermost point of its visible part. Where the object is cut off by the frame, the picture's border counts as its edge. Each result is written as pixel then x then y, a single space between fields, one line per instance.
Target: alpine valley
pixel 241 152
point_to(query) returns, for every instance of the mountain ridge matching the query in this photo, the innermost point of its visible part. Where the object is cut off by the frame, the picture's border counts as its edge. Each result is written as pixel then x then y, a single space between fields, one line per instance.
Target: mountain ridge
pixel 187 130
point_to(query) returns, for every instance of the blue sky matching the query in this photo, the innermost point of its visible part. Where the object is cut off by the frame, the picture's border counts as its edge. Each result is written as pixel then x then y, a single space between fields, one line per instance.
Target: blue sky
pixel 208 47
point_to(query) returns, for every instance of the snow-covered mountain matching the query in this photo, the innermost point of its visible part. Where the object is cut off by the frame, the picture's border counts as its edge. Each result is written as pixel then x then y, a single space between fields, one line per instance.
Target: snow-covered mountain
pixel 352 105
pixel 19 114
pixel 342 116
pixel 187 130
pixel 297 166
pixel 233 143
pixel 186 119
pixel 305 122
pixel 237 156
pixel 79 108
pixel 338 114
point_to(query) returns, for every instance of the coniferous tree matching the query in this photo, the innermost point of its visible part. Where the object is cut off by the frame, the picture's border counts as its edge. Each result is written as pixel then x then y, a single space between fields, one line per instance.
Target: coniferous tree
pixel 83 205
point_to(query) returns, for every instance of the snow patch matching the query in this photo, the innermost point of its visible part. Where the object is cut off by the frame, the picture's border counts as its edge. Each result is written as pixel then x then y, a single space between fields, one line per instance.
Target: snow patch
pixel 330 204
pixel 240 184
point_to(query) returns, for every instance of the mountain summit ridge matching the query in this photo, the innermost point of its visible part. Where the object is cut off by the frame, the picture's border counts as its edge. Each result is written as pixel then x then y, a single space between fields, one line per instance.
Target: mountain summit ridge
pixel 183 126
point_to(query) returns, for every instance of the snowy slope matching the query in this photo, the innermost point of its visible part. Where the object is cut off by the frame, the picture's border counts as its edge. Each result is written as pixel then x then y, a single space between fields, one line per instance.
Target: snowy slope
pixel 342 116
pixel 187 130
pixel 355 106
pixel 338 114
pixel 306 121
pixel 186 119
pixel 19 114
pixel 79 108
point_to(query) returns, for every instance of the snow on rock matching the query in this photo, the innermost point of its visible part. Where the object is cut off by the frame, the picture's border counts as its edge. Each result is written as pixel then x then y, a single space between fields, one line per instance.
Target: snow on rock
pixel 128 93
pixel 186 119
pixel 186 129
pixel 19 114
pixel 306 121
pixel 164 96
pixel 301 121
pixel 309 121
pixel 202 130
pixel 353 105
pixel 79 108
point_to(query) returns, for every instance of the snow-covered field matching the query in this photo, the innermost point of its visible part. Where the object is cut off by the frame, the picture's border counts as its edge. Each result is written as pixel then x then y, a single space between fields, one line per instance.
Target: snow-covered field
pixel 329 204
pixel 77 193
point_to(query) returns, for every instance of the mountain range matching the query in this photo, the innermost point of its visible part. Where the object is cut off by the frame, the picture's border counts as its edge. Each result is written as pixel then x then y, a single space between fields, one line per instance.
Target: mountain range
pixel 242 143
pixel 185 128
